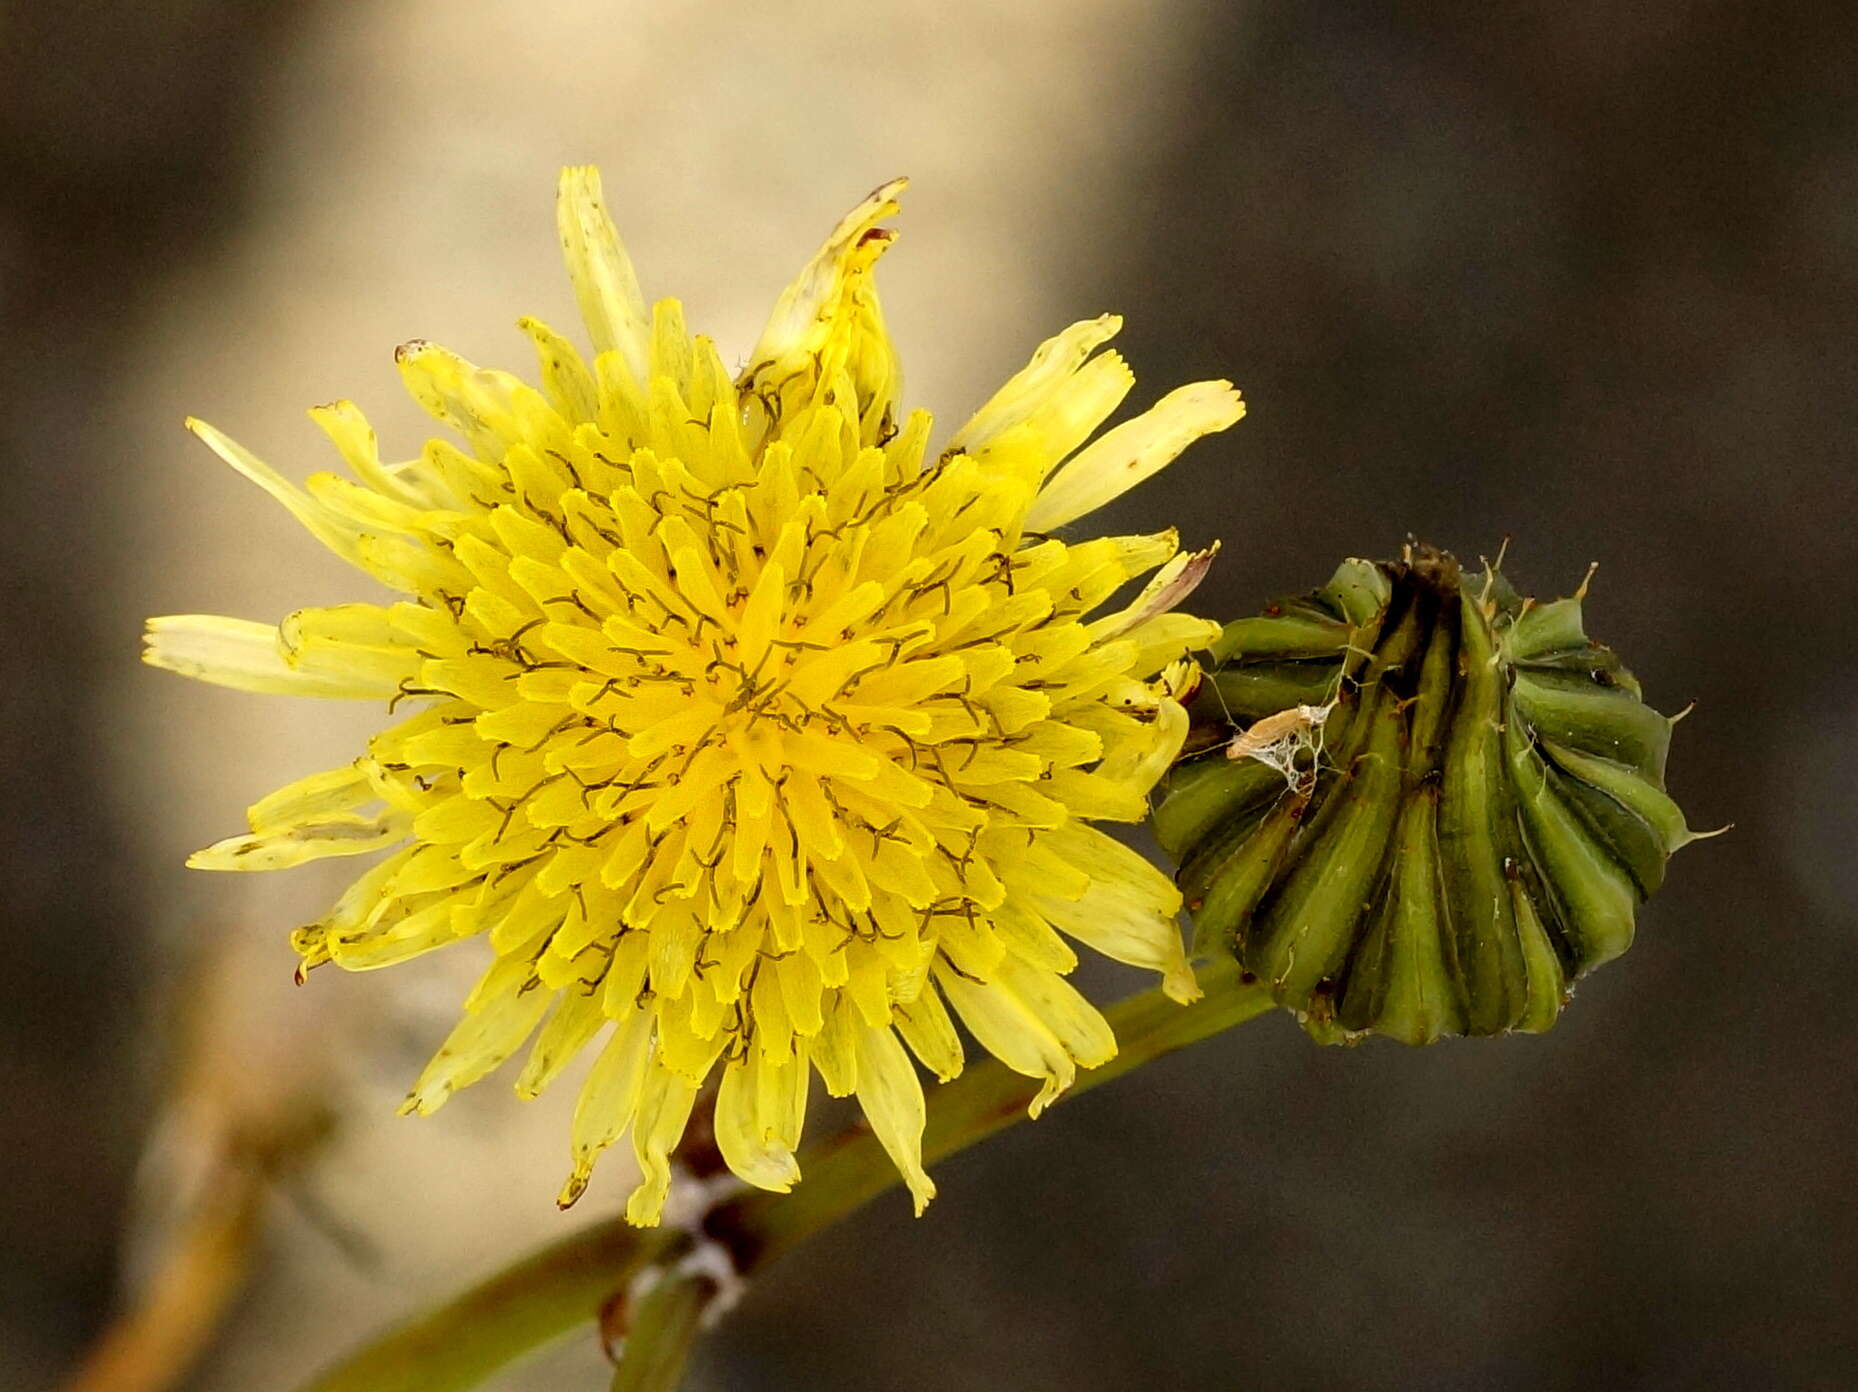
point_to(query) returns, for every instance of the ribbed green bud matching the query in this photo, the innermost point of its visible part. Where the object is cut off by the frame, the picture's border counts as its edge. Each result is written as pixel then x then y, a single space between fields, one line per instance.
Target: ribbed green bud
pixel 1416 804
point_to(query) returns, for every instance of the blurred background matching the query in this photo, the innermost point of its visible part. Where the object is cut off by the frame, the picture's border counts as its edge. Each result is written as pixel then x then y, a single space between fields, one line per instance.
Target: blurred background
pixel 1580 273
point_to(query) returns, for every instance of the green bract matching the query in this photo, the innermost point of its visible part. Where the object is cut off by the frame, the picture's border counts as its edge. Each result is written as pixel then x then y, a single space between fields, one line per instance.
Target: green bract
pixel 1416 804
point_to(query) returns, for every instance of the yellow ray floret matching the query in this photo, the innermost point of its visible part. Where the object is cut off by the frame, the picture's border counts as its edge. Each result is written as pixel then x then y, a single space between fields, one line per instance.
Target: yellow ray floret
pixel 754 740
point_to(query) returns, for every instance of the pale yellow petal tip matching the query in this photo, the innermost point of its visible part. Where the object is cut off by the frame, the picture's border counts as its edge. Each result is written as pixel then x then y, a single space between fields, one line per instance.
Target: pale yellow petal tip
pixel 1079 340
pixel 646 1205
pixel 1206 407
pixel 880 203
pixel 1178 985
pixel 1179 680
pixel 221 855
pixel 1054 1087
pixel 572 1189
pixel 922 1190
pixel 578 188
pixel 828 322
pixel 776 1171
pixel 151 642
pixel 214 438
pixel 423 1101
pixel 1134 451
pixel 852 250
pixel 1200 408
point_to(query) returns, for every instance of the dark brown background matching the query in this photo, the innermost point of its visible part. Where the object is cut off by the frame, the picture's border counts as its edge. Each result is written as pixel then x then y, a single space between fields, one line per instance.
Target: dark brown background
pixel 1580 273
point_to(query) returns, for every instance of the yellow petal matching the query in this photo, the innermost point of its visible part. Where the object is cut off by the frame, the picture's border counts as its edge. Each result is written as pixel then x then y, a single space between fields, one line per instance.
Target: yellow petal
pixel 1053 364
pixel 1127 914
pixel 348 430
pixel 1008 1030
pixel 566 380
pixel 664 1110
pixel 474 401
pixel 1139 764
pixel 330 528
pixel 1058 1005
pixel 338 835
pixel 1169 586
pixel 835 1051
pixel 576 1019
pixel 608 1098
pixel 828 321
pixel 1071 413
pixel 247 657
pixel 394 937
pixel 356 640
pixel 1133 451
pixel 926 1027
pixel 1165 638
pixel 748 1138
pixel 892 1098
pixel 482 1040
pixel 309 799
pixel 605 286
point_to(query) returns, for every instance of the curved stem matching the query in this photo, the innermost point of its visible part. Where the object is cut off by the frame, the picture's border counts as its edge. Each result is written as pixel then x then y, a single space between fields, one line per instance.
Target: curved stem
pixel 565 1284
pixel 663 1332
pixel 846 1171
pixel 521 1308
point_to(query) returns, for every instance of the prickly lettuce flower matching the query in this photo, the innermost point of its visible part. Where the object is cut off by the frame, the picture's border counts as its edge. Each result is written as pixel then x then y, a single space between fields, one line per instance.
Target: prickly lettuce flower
pixel 751 736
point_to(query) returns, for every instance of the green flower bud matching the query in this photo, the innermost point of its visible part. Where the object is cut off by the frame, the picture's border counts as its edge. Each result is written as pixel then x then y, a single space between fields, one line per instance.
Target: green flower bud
pixel 1416 804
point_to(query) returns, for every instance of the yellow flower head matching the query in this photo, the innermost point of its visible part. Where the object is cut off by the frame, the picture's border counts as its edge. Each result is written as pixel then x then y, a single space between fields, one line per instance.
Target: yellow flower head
pixel 749 733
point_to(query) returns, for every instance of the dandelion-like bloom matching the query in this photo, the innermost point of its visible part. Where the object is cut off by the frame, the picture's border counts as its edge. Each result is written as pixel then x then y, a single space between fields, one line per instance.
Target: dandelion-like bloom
pixel 749 732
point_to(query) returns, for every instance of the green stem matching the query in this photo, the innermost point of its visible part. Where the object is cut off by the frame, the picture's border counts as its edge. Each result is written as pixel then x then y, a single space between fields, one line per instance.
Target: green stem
pixel 848 1170
pixel 662 1332
pixel 566 1283
pixel 522 1307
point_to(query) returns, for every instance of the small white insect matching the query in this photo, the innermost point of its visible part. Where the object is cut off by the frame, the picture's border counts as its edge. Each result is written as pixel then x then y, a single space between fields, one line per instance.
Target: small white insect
pixel 1277 740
